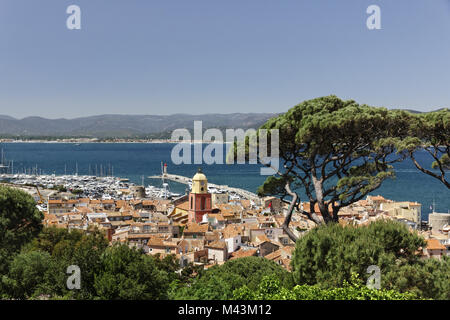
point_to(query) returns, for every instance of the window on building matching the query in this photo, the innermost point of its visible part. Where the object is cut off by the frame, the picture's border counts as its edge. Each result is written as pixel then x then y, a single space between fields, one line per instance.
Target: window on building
pixel 203 203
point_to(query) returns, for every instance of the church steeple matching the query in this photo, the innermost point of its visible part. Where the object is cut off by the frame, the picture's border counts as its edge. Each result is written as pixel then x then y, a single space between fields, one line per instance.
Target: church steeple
pixel 199 198
pixel 199 183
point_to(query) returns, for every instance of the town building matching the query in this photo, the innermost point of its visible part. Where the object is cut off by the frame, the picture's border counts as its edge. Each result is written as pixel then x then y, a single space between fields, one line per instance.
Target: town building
pixel 199 198
pixel 437 221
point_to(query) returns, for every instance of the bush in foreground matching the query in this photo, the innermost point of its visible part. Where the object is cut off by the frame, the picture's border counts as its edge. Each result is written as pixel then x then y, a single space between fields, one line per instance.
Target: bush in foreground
pixel 219 282
pixel 270 289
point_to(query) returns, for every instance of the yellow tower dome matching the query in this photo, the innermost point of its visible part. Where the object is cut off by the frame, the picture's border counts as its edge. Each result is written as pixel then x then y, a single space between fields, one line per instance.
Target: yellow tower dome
pixel 199 183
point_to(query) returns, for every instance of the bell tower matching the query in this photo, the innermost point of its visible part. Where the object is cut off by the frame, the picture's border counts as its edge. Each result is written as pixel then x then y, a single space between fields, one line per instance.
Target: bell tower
pixel 199 198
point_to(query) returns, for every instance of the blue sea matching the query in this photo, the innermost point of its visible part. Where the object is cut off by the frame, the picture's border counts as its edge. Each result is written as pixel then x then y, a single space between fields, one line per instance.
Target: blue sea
pixel 134 160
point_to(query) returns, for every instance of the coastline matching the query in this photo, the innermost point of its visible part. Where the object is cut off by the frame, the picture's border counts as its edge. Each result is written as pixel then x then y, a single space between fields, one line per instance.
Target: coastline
pixel 85 141
pixel 81 140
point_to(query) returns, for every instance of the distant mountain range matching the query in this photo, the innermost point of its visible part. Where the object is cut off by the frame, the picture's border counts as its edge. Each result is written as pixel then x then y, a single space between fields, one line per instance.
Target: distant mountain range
pixel 125 126
pixel 415 111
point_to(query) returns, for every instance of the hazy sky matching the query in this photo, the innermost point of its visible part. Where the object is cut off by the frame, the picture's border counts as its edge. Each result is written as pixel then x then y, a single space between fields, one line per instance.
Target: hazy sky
pixel 208 56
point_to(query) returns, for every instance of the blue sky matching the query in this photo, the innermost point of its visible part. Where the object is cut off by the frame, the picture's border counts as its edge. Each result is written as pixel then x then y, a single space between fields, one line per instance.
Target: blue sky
pixel 211 56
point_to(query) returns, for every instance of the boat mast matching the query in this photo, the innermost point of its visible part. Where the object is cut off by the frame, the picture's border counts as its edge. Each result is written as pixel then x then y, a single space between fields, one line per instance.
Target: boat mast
pixel 434 205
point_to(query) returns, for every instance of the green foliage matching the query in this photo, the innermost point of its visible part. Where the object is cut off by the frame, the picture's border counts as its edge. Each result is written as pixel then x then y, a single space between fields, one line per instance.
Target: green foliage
pixel 85 253
pixel 68 248
pixel 430 132
pixel 20 221
pixel 129 274
pixel 335 150
pixel 219 282
pixel 274 186
pixel 27 274
pixel 324 265
pixel 107 272
pixel 60 188
pixel 443 161
pixel 271 289
pixel 49 237
pixel 429 278
pixel 327 255
pixel 330 254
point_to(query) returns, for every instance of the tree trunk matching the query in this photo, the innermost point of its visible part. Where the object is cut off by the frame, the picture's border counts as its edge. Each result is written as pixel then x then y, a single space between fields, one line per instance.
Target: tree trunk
pixel 440 177
pixel 291 207
pixel 323 207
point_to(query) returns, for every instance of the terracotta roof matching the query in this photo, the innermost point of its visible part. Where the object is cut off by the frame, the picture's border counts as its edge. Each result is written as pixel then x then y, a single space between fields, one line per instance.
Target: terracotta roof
pixel 139 236
pixel 228 210
pixel 241 253
pixel 49 215
pixel 121 203
pixel 212 236
pixel 232 230
pixel 434 244
pixel 376 198
pixel 274 255
pixel 155 242
pixel 114 214
pixel 307 208
pixel 55 202
pixel 288 249
pixel 220 244
pixel 183 205
pixel 84 210
pixel 245 203
pixel 415 204
pixel 286 263
pixel 196 228
pixel 262 238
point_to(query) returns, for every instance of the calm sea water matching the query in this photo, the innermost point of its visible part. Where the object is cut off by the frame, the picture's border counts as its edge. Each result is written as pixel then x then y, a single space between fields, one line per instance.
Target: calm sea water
pixel 134 160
